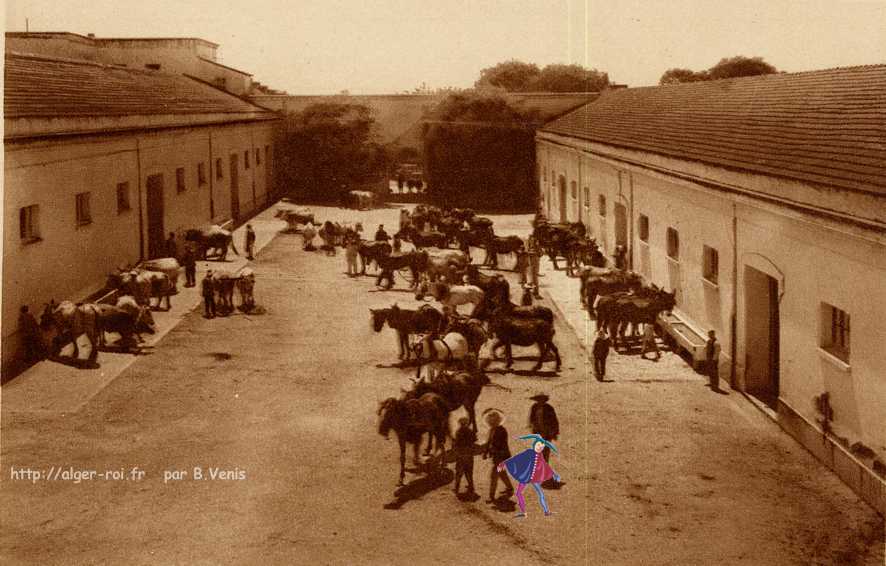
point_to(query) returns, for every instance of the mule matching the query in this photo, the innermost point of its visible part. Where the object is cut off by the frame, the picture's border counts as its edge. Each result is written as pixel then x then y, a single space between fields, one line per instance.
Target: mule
pixel 426 319
pixel 458 389
pixel 410 419
pixel 127 318
pixel 451 296
pixel 510 331
pixel 389 264
pixel 496 245
pixel 615 282
pixel 372 251
pixel 423 239
pixel 437 353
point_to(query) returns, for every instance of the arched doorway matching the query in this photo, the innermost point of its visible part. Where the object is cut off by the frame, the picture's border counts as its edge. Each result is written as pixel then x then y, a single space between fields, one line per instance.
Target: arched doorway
pixel 561 183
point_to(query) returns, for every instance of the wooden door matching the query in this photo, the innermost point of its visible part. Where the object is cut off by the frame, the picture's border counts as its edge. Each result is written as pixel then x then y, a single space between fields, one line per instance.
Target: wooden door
pixel 156 233
pixel 235 189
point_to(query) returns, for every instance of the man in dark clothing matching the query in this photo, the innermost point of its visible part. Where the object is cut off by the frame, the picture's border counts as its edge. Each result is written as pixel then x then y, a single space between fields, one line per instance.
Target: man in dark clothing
pixel 601 351
pixel 189 261
pixel 620 257
pixel 712 357
pixel 208 289
pixel 497 447
pixel 32 337
pixel 171 246
pixel 381 235
pixel 463 445
pixel 543 420
pixel 250 241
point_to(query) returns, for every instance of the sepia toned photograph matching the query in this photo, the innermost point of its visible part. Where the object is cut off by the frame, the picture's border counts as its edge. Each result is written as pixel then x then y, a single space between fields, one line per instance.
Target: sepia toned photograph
pixel 392 282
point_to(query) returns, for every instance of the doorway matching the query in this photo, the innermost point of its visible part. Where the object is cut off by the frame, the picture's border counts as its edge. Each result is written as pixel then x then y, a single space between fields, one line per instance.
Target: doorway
pixel 561 183
pixel 156 242
pixel 235 189
pixel 762 336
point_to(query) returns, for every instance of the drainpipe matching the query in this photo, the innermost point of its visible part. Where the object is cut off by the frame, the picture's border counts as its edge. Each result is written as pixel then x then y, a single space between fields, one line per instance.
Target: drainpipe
pixel 733 348
pixel 212 174
pixel 138 184
pixel 631 222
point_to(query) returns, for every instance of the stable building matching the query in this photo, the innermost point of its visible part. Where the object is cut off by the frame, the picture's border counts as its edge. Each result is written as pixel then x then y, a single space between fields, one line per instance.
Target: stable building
pixel 102 162
pixel 762 202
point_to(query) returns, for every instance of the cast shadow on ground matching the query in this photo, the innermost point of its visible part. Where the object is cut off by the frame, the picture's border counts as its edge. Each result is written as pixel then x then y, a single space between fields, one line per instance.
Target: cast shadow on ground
pixel 74 362
pixel 421 486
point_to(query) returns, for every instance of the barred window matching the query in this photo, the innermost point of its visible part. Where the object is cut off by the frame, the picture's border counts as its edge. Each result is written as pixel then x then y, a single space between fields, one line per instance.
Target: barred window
pixel 246 159
pixel 643 228
pixel 835 331
pixel 180 180
pixel 218 168
pixel 257 157
pixel 601 204
pixel 673 244
pixel 123 197
pixel 29 228
pixel 710 264
pixel 201 174
pixel 83 214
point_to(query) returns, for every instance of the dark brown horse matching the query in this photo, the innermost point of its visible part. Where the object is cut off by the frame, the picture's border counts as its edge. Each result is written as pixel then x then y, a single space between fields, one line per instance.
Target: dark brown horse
pixel 372 251
pixel 426 319
pixel 619 310
pixel 606 284
pixel 459 389
pixel 414 261
pixel 423 239
pixel 496 245
pixel 510 331
pixel 410 419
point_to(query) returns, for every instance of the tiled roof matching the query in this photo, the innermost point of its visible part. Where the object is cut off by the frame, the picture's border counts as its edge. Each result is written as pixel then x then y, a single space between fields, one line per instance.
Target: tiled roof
pixel 825 127
pixel 42 87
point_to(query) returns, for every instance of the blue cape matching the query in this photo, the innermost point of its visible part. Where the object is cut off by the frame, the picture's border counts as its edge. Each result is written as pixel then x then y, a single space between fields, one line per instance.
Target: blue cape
pixel 520 466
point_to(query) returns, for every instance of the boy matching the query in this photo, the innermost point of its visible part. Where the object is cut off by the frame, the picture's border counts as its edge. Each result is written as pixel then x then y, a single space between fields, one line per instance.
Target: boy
pixel 601 352
pixel 463 444
pixel 497 447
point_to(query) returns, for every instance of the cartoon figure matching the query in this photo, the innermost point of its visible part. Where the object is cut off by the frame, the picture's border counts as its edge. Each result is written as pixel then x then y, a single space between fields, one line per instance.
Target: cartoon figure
pixel 529 467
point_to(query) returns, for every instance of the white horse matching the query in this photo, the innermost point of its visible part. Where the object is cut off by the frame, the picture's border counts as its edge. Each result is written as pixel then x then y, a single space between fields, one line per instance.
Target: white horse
pixel 453 295
pixel 437 353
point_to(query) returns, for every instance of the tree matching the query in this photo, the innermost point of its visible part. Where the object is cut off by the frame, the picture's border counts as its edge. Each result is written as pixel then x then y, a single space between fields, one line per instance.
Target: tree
pixel 677 76
pixel 740 66
pixel 328 148
pixel 480 152
pixel 569 78
pixel 727 68
pixel 513 76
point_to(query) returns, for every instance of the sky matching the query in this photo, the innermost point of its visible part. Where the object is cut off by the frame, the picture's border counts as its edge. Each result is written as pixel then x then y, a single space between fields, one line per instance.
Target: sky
pixel 390 46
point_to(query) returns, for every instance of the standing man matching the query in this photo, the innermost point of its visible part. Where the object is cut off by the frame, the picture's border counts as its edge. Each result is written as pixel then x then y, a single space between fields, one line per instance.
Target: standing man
pixel 543 420
pixel 32 337
pixel 381 235
pixel 601 352
pixel 534 255
pixel 189 261
pixel 712 358
pixel 619 256
pixel 207 286
pixel 250 241
pixel 497 447
pixel 171 246
pixel 463 444
pixel 649 344
pixel 522 264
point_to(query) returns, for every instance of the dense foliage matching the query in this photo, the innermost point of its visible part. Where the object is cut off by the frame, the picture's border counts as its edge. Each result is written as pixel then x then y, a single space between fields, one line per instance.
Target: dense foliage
pixel 517 76
pixel 727 68
pixel 480 152
pixel 327 149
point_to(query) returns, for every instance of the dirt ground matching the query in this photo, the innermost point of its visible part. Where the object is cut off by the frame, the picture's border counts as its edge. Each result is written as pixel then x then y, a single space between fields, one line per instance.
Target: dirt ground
pixel 657 469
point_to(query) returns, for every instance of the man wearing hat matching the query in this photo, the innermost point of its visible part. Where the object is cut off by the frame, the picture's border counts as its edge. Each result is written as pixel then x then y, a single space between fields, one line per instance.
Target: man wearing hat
pixel 497 447
pixel 530 467
pixel 543 420
pixel 463 445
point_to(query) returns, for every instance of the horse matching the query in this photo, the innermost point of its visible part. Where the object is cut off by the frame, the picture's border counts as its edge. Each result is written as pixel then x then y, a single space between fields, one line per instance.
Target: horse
pixel 426 319
pixel 410 419
pixel 443 263
pixel 497 245
pixel 143 286
pixel 607 284
pixel 429 349
pixel 372 251
pixel 388 264
pixel 212 238
pixel 458 389
pixel 423 239
pixel 623 309
pixel 558 240
pixel 451 295
pixel 511 330
pixel 471 328
pixel 73 320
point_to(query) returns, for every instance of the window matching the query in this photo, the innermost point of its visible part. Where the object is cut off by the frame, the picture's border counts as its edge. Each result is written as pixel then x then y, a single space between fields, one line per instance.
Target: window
pixel 601 202
pixel 123 197
pixel 201 174
pixel 573 190
pixel 83 215
pixel 711 264
pixel 643 228
pixel 673 244
pixel 27 223
pixel 553 178
pixel 246 159
pixel 257 157
pixel 586 197
pixel 180 180
pixel 544 174
pixel 835 331
pixel 218 168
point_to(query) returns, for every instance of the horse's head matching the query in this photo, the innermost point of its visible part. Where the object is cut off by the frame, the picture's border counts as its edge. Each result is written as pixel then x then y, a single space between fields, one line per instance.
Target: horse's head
pixel 421 290
pixel 666 301
pixel 47 319
pixel 390 415
pixel 144 322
